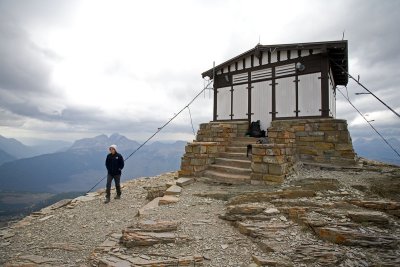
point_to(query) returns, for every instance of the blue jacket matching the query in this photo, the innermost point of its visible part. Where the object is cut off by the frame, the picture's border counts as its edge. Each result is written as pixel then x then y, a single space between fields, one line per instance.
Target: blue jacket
pixel 114 164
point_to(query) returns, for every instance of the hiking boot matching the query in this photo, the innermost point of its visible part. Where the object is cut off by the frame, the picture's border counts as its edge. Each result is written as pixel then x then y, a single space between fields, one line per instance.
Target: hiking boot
pixel 107 200
pixel 117 197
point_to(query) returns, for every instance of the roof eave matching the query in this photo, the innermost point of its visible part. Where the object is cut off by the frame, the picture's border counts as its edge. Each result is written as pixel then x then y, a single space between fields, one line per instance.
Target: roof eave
pixel 319 45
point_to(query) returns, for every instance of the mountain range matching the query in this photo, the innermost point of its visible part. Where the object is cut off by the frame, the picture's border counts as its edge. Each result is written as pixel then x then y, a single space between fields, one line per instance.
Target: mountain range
pixel 83 164
pixel 12 149
pixel 377 149
pixel 80 166
pixel 5 157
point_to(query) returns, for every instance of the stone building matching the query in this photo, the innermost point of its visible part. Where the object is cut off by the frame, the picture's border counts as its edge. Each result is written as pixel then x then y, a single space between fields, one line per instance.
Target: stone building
pixel 291 90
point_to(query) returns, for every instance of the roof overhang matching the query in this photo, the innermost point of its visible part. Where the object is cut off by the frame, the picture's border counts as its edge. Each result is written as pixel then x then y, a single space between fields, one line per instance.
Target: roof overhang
pixel 336 51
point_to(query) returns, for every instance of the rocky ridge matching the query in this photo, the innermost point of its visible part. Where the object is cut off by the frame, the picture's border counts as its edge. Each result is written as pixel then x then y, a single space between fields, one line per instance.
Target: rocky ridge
pixel 319 216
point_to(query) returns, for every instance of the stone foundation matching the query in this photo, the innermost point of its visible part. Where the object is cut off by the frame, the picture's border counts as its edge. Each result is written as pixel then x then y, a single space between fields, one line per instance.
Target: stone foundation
pixel 271 162
pixel 317 140
pixel 306 140
pixel 221 132
pixel 198 155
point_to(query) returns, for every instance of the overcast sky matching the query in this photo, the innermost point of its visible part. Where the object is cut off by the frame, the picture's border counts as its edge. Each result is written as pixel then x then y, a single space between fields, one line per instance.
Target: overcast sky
pixel 73 69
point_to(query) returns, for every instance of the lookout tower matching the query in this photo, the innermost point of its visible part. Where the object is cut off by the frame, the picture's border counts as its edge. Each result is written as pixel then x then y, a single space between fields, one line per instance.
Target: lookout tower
pixel 280 82
pixel 291 90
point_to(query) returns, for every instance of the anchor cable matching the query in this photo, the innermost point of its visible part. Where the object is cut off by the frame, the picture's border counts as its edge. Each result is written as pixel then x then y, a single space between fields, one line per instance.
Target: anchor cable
pixel 360 84
pixel 160 128
pixel 383 138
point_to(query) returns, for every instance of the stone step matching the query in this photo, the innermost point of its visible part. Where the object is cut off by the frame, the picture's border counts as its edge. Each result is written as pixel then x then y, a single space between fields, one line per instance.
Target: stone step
pixel 168 199
pixel 231 155
pixel 183 181
pixel 236 149
pixel 245 139
pixel 233 162
pixel 229 169
pixel 147 209
pixel 174 190
pixel 225 178
pixel 241 144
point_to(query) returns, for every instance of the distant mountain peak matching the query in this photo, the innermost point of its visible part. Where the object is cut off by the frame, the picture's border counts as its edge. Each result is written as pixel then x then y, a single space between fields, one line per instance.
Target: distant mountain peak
pixel 116 135
pixel 102 142
pixel 15 148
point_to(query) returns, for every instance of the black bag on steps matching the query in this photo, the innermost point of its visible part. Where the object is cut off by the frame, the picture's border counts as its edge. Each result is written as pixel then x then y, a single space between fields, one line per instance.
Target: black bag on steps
pixel 255 129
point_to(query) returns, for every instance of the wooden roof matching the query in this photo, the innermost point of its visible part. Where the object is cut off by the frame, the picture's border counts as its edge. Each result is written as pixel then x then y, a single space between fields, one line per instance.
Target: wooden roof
pixel 336 51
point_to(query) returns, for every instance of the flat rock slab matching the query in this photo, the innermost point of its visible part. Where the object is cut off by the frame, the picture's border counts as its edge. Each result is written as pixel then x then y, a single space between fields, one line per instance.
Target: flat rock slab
pixel 271 211
pixel 154 191
pixel 289 193
pixel 154 226
pixel 146 209
pixel 46 218
pixel 174 190
pixel 63 246
pixel 375 217
pixel 221 195
pixel 32 260
pixel 108 243
pixel 137 238
pixel 93 194
pixel 85 198
pixel 165 200
pixel 391 207
pixel 317 184
pixel 60 204
pixel 353 237
pixel 261 261
pixel 259 229
pixel 112 261
pixel 245 209
pixel 324 254
pixel 184 181
pixel 171 183
pixel 271 246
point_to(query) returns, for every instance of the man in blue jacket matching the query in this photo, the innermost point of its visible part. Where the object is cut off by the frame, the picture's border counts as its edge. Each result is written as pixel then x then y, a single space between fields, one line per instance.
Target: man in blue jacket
pixel 114 165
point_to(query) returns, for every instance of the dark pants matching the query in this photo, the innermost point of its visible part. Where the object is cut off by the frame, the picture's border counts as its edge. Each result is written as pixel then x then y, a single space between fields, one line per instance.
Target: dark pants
pixel 117 179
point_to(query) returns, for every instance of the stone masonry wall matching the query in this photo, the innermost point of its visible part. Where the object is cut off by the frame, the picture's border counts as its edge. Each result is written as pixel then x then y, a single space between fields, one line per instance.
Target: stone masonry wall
pixel 271 162
pixel 220 132
pixel 316 140
pixel 306 140
pixel 198 155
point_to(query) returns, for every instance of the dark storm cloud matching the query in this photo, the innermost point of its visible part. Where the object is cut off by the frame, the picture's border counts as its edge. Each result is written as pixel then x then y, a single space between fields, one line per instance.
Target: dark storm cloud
pixel 94 120
pixel 375 33
pixel 373 42
pixel 25 70
pixel 39 12
pixel 371 28
pixel 23 67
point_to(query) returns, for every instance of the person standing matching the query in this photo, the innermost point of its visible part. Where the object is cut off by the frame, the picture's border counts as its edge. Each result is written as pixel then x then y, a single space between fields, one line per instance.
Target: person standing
pixel 114 165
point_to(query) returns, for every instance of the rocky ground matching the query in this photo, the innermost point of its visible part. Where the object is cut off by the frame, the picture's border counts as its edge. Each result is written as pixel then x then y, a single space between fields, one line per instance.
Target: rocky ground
pixel 320 216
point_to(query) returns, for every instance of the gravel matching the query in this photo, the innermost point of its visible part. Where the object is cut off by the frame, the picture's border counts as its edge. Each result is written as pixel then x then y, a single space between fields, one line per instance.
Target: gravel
pixel 69 235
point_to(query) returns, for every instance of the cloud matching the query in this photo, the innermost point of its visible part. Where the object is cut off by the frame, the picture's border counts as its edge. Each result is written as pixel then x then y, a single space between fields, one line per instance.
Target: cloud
pixel 23 67
pixel 82 68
